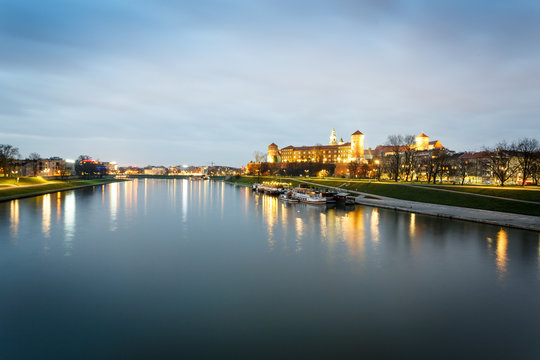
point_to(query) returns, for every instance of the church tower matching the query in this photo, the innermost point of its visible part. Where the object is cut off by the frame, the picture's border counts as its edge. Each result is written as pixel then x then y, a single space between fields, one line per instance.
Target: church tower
pixel 357 146
pixel 333 138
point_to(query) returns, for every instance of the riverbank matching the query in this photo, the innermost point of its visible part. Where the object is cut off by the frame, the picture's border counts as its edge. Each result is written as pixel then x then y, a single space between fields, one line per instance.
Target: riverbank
pixel 463 206
pixel 37 188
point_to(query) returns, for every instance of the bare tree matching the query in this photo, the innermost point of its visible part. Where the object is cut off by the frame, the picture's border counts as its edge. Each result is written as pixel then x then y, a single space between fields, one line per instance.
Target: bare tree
pixel 527 151
pixel 500 162
pixel 259 157
pixel 409 156
pixel 535 170
pixel 464 168
pixel 393 161
pixel 436 163
pixel 8 153
pixel 442 164
pixel 34 158
pixel 429 164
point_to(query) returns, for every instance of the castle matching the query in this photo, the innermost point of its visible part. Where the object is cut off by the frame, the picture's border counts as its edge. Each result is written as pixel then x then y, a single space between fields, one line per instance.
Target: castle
pixel 343 152
pixel 334 152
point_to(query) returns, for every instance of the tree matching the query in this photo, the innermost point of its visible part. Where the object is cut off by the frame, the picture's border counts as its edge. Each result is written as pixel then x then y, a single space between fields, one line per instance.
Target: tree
pixel 500 162
pixel 8 153
pixel 363 170
pixel 442 164
pixel 259 157
pixel 527 152
pixel 429 164
pixel 409 156
pixel 323 173
pixel 535 170
pixel 393 163
pixel 464 168
pixel 34 158
pixel 353 166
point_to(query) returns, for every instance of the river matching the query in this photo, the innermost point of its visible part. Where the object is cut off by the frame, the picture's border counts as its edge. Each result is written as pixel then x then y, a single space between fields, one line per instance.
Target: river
pixel 156 269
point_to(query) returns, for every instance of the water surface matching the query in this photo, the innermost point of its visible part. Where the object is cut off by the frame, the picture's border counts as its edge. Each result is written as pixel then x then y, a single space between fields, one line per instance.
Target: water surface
pixel 157 269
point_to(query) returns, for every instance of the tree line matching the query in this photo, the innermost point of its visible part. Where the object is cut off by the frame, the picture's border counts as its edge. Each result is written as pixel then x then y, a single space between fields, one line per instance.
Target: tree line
pixel 502 161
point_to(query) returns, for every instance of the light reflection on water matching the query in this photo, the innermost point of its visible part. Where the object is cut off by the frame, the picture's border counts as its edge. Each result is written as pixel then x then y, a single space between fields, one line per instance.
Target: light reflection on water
pixel 46 215
pixel 14 219
pixel 69 222
pixel 502 253
pixel 374 227
pixel 184 201
pixel 113 205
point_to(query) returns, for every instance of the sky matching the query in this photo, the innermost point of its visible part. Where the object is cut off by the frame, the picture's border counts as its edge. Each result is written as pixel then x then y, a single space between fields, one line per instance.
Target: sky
pixel 200 82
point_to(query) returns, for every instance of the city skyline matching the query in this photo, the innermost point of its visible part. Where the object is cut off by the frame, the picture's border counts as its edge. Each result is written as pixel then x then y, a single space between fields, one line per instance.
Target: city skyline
pixel 167 83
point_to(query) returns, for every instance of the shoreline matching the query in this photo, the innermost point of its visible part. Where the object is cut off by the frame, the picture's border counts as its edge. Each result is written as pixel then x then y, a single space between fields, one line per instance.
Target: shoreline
pixel 490 217
pixel 517 221
pixel 62 189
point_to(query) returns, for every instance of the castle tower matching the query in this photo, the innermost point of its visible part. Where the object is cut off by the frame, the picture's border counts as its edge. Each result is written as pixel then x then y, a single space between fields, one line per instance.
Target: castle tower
pixel 422 142
pixel 341 142
pixel 357 146
pixel 333 138
pixel 273 153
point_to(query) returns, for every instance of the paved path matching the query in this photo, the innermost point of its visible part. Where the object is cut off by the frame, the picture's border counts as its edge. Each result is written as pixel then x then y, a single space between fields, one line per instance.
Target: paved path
pixel 12 186
pixel 519 221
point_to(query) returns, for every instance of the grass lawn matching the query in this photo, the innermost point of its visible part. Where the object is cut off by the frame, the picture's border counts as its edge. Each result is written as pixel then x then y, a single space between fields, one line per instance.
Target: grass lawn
pixel 45 186
pixel 529 194
pixel 4 181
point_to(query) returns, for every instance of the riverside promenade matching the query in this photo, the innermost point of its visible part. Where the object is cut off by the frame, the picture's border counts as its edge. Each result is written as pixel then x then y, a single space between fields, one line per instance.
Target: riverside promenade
pixel 526 222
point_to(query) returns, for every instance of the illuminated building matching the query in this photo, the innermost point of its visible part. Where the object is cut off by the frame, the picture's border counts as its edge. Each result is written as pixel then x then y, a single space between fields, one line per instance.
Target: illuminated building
pixel 421 143
pixel 334 152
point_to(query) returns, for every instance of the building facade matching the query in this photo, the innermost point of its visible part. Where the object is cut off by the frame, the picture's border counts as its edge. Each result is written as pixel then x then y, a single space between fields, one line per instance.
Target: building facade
pixel 335 152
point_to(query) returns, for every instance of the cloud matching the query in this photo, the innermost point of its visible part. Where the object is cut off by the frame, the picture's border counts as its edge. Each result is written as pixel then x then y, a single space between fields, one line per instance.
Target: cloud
pixel 219 79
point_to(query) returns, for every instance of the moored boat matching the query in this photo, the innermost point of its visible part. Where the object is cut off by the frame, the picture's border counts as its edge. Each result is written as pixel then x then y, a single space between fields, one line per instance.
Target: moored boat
pixel 272 187
pixel 287 197
pixel 308 196
pixel 345 198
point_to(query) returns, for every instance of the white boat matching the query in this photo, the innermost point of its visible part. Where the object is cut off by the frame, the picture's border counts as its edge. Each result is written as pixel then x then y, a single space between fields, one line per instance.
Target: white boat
pixel 308 196
pixel 315 200
pixel 288 198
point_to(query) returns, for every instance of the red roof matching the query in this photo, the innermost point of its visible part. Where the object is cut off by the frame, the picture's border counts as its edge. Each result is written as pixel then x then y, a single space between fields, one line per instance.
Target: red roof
pixel 272 144
pixel 384 149
pixel 357 132
pixel 422 135
pixel 476 155
pixel 322 147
